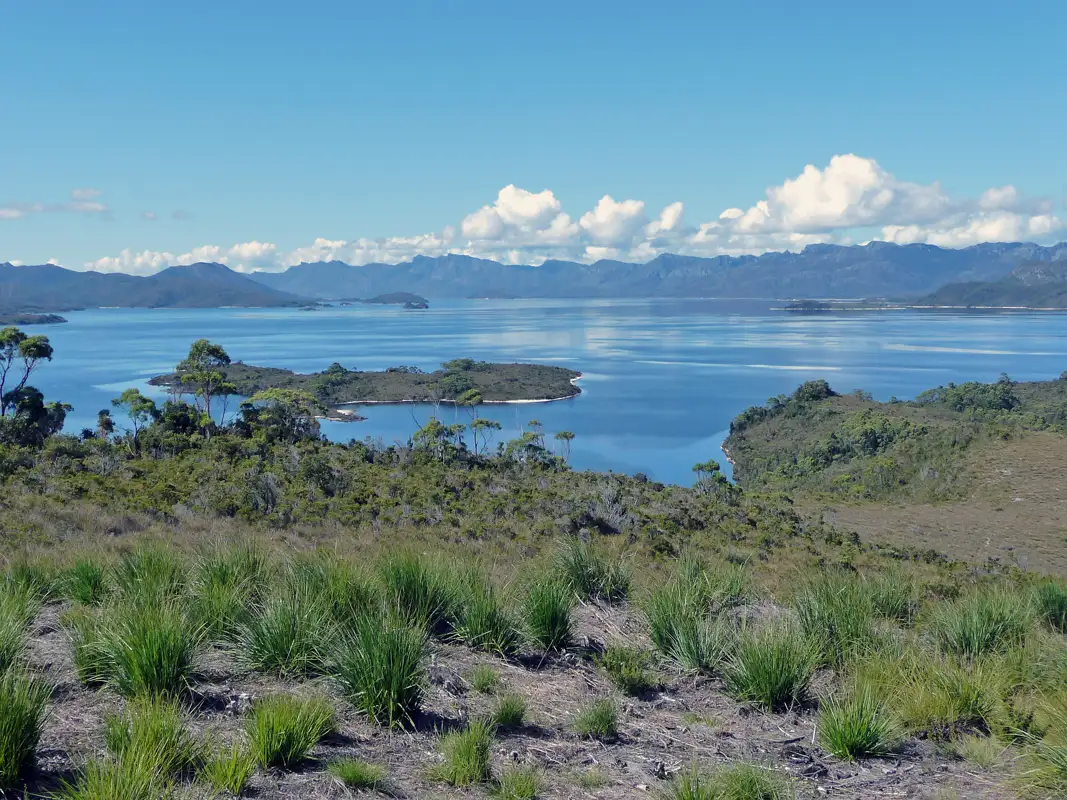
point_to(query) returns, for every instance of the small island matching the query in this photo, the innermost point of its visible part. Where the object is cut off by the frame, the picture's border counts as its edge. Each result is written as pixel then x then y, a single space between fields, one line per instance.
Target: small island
pixel 338 386
pixel 30 319
pixel 405 299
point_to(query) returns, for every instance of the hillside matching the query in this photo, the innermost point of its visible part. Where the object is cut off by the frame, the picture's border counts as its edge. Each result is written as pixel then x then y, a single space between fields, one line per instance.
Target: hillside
pixel 878 269
pixel 1033 284
pixel 51 288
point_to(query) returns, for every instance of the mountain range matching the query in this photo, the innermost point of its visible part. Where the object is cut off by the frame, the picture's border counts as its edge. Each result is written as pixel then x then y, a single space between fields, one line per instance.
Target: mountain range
pixel 877 269
pixel 1033 284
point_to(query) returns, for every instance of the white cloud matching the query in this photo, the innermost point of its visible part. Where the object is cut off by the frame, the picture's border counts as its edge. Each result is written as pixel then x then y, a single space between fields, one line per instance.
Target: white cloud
pixel 850 199
pixel 82 201
pixel 85 194
pixel 151 216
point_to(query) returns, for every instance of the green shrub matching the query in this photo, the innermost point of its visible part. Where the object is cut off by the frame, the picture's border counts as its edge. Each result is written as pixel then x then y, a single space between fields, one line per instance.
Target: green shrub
pixel 771 667
pixel 282 729
pixel 86 582
pixel 734 782
pixel 857 725
pixel 547 614
pixel 420 591
pixel 484 679
pixel 149 574
pixel 590 575
pixel 380 668
pixel 289 634
pixel 228 769
pixel 466 755
pixel 151 731
pixel 1050 597
pixel 836 613
pixel 508 712
pixel 23 702
pixel 598 720
pixel 986 621
pixel 485 624
pixel 357 774
pixel 149 649
pixel 518 783
pixel 629 669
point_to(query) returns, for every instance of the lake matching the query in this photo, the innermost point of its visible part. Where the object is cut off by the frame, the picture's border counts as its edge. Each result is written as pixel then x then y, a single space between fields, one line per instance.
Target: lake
pixel 661 378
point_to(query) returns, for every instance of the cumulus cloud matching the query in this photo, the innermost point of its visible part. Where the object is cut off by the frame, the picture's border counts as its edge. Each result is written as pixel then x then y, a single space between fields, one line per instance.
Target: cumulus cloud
pixel 850 199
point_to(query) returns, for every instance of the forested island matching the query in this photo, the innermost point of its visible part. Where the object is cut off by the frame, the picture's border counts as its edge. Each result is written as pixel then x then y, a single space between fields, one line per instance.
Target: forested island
pixel 202 601
pixel 337 385
pixel 25 318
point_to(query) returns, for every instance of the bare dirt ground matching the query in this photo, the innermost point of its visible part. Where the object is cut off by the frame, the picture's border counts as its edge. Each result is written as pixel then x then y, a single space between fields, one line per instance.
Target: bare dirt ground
pixel 1016 514
pixel 690 722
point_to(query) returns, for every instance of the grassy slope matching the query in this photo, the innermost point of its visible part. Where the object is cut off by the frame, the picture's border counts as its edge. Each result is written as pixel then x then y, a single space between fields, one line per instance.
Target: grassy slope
pixel 495 382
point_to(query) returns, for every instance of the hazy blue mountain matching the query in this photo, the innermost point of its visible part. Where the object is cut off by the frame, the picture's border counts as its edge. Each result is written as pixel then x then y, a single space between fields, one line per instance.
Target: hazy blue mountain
pixel 875 269
pixel 51 288
pixel 1033 284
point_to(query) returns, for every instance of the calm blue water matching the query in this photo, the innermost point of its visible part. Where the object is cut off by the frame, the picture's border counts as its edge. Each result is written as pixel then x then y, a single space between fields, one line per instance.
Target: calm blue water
pixel 662 378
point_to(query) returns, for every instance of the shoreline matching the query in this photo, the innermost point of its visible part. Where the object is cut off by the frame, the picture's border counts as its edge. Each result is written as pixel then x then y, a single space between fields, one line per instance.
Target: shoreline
pixel 573 381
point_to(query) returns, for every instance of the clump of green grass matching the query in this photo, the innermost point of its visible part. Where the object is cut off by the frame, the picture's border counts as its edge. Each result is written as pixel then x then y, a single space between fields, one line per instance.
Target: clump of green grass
pixel 893 595
pixel 771 667
pixel 734 782
pixel 723 585
pixel 17 609
pixel 466 755
pixel 592 778
pixel 590 575
pixel 380 668
pixel 356 774
pixel 629 669
pixel 1050 597
pixel 598 720
pixel 228 769
pixel 151 730
pixel 23 704
pixel 508 712
pixel 86 582
pixel 484 679
pixel 288 634
pixel 484 623
pixel 984 622
pixel 88 648
pixel 547 614
pixel 31 577
pixel 282 729
pixel 125 779
pixel 836 613
pixel 149 574
pixel 226 583
pixel 420 591
pixel 982 751
pixel 857 725
pixel 149 649
pixel 677 615
pixel 518 783
pixel 340 585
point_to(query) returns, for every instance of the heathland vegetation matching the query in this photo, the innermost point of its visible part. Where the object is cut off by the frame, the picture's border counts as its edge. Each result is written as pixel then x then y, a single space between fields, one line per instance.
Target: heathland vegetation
pixel 199 605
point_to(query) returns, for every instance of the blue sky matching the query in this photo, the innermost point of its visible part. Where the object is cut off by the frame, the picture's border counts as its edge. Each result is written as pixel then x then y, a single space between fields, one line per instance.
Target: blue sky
pixel 139 134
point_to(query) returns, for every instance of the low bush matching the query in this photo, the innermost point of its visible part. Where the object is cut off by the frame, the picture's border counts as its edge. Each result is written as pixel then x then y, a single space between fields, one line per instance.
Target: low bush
pixel 547 614
pixel 23 703
pixel 228 769
pixel 771 667
pixel 983 622
pixel 857 725
pixel 629 669
pixel 380 668
pixel 282 729
pixel 466 755
pixel 509 712
pixel 517 783
pixel 598 720
pixel 356 774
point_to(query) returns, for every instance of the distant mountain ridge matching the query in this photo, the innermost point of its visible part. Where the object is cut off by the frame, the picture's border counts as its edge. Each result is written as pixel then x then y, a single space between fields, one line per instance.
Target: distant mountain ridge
pixel 1033 284
pixel 51 288
pixel 831 271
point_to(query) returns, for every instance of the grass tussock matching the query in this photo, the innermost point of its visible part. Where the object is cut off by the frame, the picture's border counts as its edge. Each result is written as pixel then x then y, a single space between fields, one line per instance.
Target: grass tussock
pixel 381 669
pixel 517 783
pixel 509 712
pixel 421 591
pixel 547 614
pixel 227 770
pixel 734 782
pixel 288 634
pixel 151 731
pixel 149 575
pixel 283 729
pixel 985 621
pixel 466 755
pixel 629 669
pixel 590 574
pixel 148 649
pixel 771 667
pixel 17 608
pixel 858 725
pixel 358 775
pixel 679 623
pixel 484 621
pixel 23 705
pixel 598 720
pixel 1050 598
pixel 86 582
pixel 484 679
pixel 836 612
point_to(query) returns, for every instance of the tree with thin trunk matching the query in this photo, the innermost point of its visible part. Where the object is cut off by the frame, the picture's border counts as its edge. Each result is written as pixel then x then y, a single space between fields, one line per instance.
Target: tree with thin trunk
pixel 202 374
pixel 565 438
pixel 16 346
pixel 141 410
